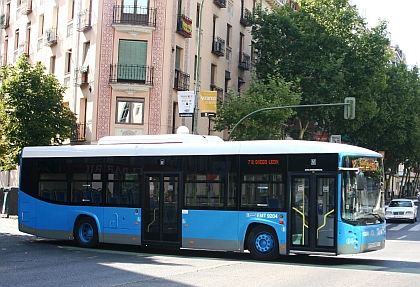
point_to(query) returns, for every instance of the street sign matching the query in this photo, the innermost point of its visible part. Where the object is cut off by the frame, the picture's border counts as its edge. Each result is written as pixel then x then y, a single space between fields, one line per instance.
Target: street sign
pixel 335 138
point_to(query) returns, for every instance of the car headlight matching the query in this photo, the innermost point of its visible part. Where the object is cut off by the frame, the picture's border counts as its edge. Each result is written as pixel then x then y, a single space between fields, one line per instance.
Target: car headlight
pixel 388 212
pixel 409 212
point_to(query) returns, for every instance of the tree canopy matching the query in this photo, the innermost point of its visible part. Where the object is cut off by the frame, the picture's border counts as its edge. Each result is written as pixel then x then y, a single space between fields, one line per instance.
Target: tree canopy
pixel 32 112
pixel 327 49
pixel 273 91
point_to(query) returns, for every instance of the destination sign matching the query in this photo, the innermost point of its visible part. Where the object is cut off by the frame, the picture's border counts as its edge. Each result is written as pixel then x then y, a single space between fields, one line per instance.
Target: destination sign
pixel 263 162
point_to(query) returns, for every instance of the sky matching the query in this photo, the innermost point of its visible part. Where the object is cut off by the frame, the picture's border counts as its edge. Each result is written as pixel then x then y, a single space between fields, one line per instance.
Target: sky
pixel 403 19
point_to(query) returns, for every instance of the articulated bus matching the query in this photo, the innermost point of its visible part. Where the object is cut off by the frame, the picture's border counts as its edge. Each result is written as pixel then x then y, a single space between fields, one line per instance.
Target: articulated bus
pixel 270 198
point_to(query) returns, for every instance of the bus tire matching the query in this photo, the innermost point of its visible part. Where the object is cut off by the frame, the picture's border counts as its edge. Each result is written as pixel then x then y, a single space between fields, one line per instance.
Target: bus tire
pixel 86 232
pixel 263 243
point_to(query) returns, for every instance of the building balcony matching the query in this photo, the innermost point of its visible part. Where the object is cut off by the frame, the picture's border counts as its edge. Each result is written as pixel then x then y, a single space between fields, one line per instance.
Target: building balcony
pixel 218 90
pixel 245 15
pixel 181 81
pixel 84 20
pixel 78 133
pixel 50 38
pixel 82 76
pixel 131 78
pixel 184 26
pixel 25 7
pixel 220 3
pixel 218 47
pixel 4 20
pixel 134 20
pixel 244 61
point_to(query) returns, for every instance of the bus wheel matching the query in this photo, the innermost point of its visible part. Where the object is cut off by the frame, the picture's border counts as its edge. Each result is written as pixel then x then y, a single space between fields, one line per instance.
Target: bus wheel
pixel 86 232
pixel 263 243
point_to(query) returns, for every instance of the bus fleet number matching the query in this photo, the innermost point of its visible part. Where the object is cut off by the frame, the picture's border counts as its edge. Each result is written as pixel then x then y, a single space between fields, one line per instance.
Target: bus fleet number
pixel 267 215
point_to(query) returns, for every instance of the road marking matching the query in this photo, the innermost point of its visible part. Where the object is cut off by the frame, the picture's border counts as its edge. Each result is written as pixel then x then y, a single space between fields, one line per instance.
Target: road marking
pixel 402 237
pixel 415 228
pixel 398 227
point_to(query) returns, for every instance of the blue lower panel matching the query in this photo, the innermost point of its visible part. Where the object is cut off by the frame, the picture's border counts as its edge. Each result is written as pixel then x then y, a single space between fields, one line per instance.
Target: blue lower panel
pixel 43 219
pixel 226 230
pixel 358 239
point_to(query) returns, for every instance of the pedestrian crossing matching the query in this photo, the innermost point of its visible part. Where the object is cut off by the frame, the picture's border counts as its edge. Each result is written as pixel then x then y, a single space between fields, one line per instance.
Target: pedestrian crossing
pixel 400 226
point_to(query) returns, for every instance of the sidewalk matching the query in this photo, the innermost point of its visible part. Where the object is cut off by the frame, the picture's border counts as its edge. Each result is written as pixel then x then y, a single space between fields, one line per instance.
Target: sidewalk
pixel 10 226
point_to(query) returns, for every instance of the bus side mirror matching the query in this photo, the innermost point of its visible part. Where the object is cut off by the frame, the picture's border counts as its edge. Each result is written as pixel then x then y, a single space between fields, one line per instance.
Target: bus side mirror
pixel 360 180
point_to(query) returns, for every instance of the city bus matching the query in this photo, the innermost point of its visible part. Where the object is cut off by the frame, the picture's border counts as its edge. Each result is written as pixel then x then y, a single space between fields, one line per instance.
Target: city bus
pixel 184 191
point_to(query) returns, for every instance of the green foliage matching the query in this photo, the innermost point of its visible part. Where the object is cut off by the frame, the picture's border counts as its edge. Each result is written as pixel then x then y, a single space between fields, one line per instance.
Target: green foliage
pixel 327 50
pixel 32 112
pixel 273 91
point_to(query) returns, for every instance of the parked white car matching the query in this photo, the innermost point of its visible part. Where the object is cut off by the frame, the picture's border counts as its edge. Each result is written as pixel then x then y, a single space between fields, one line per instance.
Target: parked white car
pixel 401 209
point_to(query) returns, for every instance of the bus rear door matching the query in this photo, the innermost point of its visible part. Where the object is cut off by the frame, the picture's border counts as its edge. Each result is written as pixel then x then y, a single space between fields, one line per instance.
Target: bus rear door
pixel 312 220
pixel 160 220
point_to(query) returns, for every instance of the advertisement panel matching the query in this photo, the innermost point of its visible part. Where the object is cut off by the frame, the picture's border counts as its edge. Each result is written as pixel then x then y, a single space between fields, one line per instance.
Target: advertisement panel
pixel 186 103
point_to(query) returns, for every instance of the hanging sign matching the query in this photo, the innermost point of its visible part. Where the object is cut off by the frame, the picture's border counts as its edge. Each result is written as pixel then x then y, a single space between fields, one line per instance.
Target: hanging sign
pixel 186 103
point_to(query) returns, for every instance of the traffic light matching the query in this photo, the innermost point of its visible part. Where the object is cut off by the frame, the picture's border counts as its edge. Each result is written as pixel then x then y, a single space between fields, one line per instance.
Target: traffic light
pixel 350 108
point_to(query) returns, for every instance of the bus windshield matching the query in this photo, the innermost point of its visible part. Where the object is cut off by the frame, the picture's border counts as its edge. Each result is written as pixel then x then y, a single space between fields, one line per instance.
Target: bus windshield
pixel 362 191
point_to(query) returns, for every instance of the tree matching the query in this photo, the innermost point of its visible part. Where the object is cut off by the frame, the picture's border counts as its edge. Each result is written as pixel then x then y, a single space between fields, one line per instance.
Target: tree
pixel 272 92
pixel 32 111
pixel 327 50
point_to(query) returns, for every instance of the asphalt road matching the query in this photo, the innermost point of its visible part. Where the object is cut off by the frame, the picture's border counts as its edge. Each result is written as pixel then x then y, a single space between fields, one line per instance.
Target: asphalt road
pixel 28 261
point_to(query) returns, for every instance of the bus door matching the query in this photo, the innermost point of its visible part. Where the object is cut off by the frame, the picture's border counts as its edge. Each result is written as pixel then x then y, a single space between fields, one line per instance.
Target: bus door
pixel 313 213
pixel 160 220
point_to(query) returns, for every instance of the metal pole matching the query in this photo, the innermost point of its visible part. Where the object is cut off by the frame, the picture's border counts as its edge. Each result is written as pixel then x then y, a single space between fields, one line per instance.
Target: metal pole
pixel 197 71
pixel 284 107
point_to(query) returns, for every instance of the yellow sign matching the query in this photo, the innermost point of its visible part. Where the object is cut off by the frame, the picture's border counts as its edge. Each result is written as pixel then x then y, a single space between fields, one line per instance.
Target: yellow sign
pixel 208 103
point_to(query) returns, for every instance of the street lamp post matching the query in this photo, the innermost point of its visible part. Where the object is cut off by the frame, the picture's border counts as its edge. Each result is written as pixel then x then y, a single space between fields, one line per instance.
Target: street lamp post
pixel 197 71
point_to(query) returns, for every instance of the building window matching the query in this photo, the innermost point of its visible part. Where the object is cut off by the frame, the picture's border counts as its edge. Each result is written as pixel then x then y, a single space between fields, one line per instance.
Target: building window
pixel 213 74
pixel 16 45
pixel 197 18
pixel 41 26
pixel 130 111
pixel 228 35
pixel 52 65
pixel 71 10
pixel 178 56
pixel 68 62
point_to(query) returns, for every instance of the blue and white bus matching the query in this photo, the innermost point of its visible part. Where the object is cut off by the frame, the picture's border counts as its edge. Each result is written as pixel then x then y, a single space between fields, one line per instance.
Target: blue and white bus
pixel 273 197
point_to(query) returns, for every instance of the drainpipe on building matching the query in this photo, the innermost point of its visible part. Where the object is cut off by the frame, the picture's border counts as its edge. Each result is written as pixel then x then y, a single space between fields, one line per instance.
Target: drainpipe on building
pixel 197 71
pixel 76 60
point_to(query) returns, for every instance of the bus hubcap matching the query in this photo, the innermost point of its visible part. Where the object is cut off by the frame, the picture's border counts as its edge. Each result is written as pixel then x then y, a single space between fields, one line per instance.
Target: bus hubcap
pixel 86 232
pixel 264 242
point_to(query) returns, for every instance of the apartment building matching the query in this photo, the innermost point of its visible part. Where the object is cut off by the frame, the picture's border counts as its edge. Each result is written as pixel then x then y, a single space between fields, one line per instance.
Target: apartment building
pixel 124 61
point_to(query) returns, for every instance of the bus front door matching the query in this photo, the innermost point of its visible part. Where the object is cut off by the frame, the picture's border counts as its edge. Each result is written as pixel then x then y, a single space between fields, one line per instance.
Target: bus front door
pixel 313 214
pixel 160 220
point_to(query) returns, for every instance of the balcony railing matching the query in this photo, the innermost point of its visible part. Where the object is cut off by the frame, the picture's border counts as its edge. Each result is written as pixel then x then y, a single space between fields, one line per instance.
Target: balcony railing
pixel 78 133
pixel 134 15
pixel 244 61
pixel 4 20
pixel 184 26
pixel 25 7
pixel 135 74
pixel 82 76
pixel 220 3
pixel 84 20
pixel 245 15
pixel 50 38
pixel 218 90
pixel 181 81
pixel 218 46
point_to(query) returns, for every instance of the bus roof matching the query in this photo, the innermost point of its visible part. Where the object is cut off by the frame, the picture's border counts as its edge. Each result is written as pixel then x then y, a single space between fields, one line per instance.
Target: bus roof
pixel 204 147
pixel 157 139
